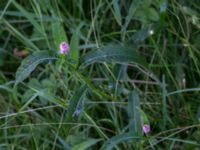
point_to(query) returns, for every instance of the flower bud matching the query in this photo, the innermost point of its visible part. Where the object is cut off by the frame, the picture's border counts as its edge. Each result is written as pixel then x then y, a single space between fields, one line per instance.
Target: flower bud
pixel 64 48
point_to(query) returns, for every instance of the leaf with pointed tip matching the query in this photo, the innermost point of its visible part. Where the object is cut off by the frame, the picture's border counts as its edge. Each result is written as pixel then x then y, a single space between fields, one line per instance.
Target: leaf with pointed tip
pixel 74 102
pixel 85 144
pixel 58 32
pixel 135 124
pixel 109 145
pixel 117 13
pixel 113 53
pixel 74 52
pixel 132 9
pixel 30 63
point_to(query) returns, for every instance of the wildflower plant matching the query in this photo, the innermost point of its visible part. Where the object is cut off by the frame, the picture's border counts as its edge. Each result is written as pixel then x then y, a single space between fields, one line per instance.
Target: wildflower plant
pixel 146 128
pixel 109 75
pixel 64 48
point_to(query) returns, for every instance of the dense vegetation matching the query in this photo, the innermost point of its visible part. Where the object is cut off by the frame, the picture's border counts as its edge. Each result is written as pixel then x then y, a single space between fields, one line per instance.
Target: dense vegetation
pixel 130 63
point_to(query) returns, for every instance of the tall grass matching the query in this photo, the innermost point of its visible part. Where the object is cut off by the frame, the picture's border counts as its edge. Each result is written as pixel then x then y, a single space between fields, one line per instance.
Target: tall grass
pixel 130 63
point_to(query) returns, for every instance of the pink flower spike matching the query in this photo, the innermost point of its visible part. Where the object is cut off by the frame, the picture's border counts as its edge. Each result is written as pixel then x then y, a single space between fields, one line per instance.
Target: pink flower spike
pixel 64 48
pixel 146 128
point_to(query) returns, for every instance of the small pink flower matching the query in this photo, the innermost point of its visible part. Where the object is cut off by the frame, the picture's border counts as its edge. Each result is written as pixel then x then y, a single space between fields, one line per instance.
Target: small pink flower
pixel 64 48
pixel 146 128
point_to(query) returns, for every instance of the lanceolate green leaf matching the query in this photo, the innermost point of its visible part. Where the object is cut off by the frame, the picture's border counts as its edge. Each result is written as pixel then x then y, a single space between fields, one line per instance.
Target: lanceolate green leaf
pixel 30 63
pixel 113 53
pixel 58 32
pixel 74 101
pixel 118 139
pixel 74 53
pixel 135 124
pixel 85 145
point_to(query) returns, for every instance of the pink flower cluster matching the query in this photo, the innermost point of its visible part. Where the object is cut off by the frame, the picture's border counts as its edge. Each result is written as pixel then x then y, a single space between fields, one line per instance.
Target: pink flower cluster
pixel 64 48
pixel 146 128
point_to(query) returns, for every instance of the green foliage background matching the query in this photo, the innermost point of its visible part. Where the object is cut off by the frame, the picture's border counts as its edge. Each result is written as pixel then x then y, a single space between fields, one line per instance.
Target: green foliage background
pixel 130 63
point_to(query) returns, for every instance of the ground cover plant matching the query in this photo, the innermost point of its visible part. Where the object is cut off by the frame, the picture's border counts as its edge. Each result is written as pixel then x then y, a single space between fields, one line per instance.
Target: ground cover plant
pixel 99 74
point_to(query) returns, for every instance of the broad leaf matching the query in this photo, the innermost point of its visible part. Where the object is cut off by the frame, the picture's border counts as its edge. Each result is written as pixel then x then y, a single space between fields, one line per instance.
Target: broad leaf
pixel 113 53
pixel 58 34
pixel 30 63
pixel 74 52
pixel 135 124
pixel 118 139
pixel 75 102
pixel 86 144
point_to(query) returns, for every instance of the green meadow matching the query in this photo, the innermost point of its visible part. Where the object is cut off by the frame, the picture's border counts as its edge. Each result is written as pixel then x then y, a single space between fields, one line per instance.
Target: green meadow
pixel 99 75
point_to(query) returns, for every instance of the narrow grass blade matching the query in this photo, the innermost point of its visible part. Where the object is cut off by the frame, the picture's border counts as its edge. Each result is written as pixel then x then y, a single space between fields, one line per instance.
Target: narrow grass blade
pixel 132 9
pixel 65 145
pixel 93 88
pixel 97 128
pixel 4 87
pixel 164 102
pixel 120 71
pixel 117 13
pixel 5 8
pixel 183 91
pixel 29 16
pixel 19 35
